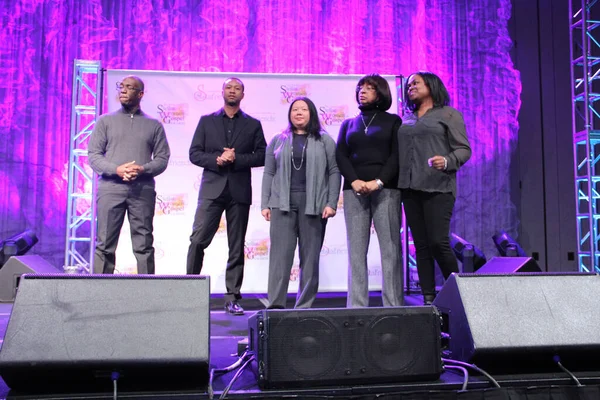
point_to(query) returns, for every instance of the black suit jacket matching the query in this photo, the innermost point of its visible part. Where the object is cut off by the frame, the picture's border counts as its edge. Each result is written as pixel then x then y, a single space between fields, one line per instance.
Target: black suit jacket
pixel 209 140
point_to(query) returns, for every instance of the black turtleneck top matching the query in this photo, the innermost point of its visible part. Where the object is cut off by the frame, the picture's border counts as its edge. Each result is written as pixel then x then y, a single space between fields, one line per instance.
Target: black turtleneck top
pixel 370 155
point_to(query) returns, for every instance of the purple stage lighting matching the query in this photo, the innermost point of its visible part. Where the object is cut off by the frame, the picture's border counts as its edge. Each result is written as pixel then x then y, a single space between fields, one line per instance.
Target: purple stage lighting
pixel 507 246
pixel 470 256
pixel 17 245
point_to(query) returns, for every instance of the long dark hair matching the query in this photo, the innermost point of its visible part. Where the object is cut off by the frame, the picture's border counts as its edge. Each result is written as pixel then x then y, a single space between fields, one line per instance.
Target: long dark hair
pixel 314 125
pixel 437 89
pixel 381 86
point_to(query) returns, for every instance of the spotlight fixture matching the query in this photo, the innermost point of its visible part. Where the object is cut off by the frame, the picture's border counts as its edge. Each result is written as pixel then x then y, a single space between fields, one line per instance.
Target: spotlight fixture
pixel 470 256
pixel 17 245
pixel 507 246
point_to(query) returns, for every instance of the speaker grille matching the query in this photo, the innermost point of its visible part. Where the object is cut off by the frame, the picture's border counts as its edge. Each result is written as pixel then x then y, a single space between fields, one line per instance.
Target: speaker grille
pixel 385 342
pixel 310 346
pixel 330 346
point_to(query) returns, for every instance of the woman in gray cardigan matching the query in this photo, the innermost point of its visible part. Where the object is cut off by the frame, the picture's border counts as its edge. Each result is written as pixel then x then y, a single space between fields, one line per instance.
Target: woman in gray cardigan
pixel 300 191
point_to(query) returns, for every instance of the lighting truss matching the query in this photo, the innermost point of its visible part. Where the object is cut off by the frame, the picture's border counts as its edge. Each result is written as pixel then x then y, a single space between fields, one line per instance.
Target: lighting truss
pixel 81 209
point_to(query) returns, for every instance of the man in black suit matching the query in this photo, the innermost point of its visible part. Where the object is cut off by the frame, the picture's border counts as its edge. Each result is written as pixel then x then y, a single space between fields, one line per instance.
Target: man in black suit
pixel 227 144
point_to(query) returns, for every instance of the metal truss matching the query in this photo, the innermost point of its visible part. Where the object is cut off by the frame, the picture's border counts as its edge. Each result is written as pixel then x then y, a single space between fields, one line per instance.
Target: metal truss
pixel 81 208
pixel 585 71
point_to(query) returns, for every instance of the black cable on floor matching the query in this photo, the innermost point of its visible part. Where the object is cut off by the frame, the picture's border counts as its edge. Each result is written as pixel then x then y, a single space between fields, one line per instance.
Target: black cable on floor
pixel 235 377
pixel 571 375
pixel 465 374
pixel 474 367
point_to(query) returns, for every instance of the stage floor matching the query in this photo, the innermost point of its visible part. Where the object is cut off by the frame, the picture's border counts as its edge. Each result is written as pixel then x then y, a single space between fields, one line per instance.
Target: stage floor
pixel 227 330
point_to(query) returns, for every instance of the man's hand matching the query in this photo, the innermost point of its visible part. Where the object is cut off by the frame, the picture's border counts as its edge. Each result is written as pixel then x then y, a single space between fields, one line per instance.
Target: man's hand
pixel 226 158
pixel 328 212
pixel 132 171
pixel 124 171
pixel 438 162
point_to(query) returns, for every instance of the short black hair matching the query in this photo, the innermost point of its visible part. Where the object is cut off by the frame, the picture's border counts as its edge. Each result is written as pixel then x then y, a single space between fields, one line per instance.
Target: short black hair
pixel 314 124
pixel 138 80
pixel 381 86
pixel 236 79
pixel 437 89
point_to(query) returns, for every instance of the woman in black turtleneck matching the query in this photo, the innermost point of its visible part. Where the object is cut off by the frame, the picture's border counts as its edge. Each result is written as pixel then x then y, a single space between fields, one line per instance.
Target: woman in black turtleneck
pixel 367 156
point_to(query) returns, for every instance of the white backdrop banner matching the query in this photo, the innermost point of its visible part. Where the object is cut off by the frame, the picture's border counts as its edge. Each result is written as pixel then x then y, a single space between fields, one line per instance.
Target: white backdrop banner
pixel 178 100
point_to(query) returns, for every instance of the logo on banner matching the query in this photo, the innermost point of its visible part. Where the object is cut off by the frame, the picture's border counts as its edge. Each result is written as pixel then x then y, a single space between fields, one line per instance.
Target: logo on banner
pixel 333 251
pixel 340 203
pixel 333 115
pixel 198 182
pixel 170 204
pixel 263 116
pixel 257 250
pixel 173 114
pixel 290 92
pixel 295 273
pixel 202 95
pixel 179 162
pixel 222 229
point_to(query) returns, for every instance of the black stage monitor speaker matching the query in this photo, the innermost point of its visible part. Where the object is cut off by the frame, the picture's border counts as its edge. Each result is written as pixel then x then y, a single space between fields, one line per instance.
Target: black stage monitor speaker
pixel 15 266
pixel 520 322
pixel 76 332
pixel 509 265
pixel 313 347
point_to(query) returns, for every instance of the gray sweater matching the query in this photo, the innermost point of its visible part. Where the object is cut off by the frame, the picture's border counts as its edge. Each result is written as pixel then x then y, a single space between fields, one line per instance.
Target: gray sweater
pixel 323 179
pixel 119 137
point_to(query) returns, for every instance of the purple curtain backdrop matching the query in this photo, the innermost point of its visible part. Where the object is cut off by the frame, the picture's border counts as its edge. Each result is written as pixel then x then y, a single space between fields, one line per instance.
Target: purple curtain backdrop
pixel 466 42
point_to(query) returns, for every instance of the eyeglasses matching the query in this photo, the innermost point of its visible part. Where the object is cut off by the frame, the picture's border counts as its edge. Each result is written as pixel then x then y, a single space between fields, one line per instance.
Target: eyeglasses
pixel 129 88
pixel 367 88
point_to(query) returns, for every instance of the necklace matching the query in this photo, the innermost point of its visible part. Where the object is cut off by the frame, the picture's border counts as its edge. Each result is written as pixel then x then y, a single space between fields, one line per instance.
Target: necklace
pixel 367 125
pixel 301 158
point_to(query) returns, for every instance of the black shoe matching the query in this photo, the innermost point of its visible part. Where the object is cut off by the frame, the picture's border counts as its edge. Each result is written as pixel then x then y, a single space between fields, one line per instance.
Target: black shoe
pixel 233 307
pixel 428 299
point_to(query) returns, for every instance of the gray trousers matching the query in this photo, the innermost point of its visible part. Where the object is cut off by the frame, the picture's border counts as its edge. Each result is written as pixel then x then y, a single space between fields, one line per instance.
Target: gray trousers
pixel 287 230
pixel 113 200
pixel 383 208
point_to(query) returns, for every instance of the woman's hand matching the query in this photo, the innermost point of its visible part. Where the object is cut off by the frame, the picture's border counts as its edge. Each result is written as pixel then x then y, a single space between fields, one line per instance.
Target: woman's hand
pixel 438 162
pixel 266 213
pixel 328 212
pixel 360 187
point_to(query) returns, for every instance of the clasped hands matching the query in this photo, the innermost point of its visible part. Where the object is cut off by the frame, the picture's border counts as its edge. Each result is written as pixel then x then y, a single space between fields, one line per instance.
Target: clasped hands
pixel 228 157
pixel 362 188
pixel 129 171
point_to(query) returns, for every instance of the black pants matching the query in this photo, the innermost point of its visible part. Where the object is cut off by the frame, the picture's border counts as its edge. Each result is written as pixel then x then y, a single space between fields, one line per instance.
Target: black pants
pixel 137 199
pixel 428 216
pixel 206 224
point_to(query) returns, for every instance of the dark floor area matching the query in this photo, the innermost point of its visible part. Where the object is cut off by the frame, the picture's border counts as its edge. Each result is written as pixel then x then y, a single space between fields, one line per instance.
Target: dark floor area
pixel 227 331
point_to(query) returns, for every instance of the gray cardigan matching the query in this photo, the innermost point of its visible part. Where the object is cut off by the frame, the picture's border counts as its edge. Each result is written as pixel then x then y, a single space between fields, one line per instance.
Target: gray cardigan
pixel 323 179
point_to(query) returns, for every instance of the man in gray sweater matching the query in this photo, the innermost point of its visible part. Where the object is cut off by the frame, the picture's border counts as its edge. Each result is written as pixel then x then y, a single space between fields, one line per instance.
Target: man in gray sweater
pixel 127 149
